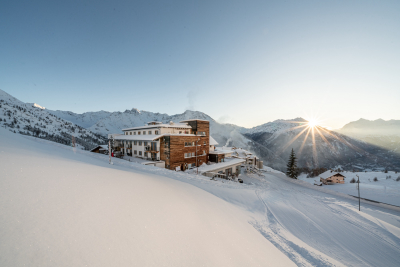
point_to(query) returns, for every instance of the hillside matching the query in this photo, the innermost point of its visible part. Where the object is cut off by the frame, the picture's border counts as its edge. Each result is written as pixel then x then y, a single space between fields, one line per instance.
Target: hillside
pixel 32 119
pixel 324 148
pixel 63 208
pixel 385 134
pixel 68 207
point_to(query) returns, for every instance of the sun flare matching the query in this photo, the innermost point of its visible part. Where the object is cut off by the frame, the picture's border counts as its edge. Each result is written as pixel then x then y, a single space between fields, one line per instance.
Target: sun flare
pixel 312 123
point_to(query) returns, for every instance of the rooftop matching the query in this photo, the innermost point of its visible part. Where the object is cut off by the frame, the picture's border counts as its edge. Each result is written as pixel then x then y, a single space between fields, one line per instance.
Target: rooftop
pixel 162 125
pixel 213 142
pixel 194 120
pixel 217 166
pixel 146 137
pixel 328 174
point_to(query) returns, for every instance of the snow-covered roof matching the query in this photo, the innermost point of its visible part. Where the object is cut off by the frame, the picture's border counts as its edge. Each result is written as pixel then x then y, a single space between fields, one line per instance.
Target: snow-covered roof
pixel 147 137
pixel 213 142
pixel 221 152
pixel 194 120
pixel 328 174
pixel 138 137
pixel 102 147
pixel 175 125
pixel 217 166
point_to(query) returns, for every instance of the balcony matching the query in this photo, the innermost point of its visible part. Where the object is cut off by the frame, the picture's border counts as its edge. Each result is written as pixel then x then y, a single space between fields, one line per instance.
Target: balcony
pixel 150 149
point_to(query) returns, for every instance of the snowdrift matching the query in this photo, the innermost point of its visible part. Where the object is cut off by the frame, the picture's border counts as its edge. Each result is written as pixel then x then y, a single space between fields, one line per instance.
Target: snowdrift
pixel 64 208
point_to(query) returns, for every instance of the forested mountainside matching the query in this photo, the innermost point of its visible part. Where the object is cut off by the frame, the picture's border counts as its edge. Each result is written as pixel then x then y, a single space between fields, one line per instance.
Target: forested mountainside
pixel 31 119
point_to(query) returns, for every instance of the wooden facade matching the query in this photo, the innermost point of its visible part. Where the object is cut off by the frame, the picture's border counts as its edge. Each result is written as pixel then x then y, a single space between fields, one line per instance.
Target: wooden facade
pixel 173 148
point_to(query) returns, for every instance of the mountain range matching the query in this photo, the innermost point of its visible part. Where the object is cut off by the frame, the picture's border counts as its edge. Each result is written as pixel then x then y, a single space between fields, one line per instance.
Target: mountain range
pixel 358 145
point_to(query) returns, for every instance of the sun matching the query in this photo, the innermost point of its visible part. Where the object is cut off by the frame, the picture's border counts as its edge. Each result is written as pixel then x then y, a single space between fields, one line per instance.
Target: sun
pixel 312 123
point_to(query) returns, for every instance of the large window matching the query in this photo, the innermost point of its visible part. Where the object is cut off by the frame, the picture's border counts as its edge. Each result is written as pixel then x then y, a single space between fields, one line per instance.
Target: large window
pixel 140 143
pixel 135 152
pixel 190 155
pixel 149 132
pixel 135 143
pixel 140 153
pixel 145 143
pixel 155 132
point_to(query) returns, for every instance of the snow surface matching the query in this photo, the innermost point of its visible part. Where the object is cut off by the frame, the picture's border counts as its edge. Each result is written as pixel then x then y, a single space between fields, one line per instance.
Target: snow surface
pixel 386 190
pixel 60 207
pixel 66 207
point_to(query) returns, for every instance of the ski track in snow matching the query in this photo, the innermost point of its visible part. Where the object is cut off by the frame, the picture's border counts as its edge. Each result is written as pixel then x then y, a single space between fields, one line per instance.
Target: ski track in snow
pixel 311 226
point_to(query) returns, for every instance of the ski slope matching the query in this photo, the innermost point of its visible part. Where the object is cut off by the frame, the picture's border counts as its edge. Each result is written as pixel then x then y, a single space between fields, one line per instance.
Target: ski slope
pixel 66 207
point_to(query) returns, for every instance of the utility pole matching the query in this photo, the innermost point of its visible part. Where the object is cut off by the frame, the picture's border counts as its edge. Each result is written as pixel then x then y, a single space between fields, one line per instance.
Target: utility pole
pixel 109 151
pixel 358 186
pixel 197 164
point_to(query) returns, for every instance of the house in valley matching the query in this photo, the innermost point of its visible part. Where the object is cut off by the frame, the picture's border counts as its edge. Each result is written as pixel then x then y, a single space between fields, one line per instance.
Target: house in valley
pixel 330 177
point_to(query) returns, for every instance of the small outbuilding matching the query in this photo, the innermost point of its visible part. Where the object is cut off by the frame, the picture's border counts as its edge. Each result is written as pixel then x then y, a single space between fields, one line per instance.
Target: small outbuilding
pixel 103 149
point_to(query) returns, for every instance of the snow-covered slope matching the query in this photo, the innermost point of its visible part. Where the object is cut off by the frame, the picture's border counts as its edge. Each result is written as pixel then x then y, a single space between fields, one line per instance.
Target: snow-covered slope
pixel 84 120
pixel 60 207
pixel 32 119
pixel 66 207
pixel 386 187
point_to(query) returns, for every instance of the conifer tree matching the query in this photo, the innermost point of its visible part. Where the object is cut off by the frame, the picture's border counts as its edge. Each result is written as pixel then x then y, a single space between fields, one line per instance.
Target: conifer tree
pixel 292 171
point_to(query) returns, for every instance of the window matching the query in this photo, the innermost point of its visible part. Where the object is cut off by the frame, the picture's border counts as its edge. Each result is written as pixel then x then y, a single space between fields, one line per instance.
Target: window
pixel 134 133
pixel 140 143
pixel 144 132
pixel 205 143
pixel 130 133
pixel 155 132
pixel 126 133
pixel 145 154
pixel 145 143
pixel 180 132
pixel 193 165
pixel 140 153
pixel 138 133
pixel 149 132
pixel 186 132
pixel 193 154
pixel 192 143
pixel 135 143
pixel 135 152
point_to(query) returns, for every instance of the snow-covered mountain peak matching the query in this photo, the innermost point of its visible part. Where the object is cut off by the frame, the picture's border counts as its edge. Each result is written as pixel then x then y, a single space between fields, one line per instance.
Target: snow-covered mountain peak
pixel 277 126
pixel 38 106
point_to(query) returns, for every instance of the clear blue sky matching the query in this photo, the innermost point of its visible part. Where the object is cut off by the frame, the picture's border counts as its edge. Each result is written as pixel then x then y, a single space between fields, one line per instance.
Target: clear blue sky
pixel 243 62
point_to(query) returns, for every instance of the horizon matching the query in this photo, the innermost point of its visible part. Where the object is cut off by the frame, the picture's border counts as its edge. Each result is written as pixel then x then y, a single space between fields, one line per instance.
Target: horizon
pixel 287 119
pixel 240 63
